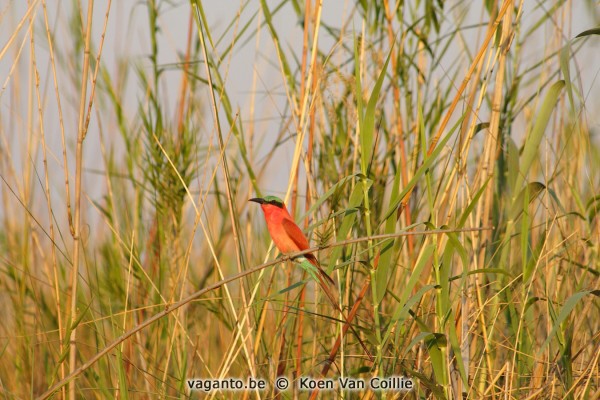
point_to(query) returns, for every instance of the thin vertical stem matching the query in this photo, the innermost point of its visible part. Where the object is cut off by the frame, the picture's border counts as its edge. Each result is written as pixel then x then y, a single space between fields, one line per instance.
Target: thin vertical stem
pixel 77 222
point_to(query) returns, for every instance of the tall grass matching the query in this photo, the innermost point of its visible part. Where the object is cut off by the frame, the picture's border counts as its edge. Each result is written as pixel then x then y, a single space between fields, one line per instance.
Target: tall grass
pixel 440 155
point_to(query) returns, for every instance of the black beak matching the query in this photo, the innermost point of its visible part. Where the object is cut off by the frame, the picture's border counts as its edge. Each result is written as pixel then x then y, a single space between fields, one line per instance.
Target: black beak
pixel 258 200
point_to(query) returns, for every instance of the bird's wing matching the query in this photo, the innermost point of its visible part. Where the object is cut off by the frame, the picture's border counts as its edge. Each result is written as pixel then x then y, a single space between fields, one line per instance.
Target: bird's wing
pixel 300 240
pixel 295 234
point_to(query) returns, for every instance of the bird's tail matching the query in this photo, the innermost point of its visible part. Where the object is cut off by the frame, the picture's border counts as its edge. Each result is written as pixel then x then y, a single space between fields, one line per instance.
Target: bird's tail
pixel 323 275
pixel 328 287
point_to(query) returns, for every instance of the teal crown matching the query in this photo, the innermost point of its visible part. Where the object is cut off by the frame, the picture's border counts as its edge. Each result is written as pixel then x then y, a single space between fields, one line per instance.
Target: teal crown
pixel 273 200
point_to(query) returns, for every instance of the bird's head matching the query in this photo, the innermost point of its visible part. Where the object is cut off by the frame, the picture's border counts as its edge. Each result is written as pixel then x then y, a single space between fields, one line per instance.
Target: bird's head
pixel 271 205
pixel 273 201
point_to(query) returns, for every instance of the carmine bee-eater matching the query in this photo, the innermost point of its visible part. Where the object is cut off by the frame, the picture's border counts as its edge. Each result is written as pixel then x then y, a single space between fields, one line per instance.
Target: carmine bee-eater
pixel 288 238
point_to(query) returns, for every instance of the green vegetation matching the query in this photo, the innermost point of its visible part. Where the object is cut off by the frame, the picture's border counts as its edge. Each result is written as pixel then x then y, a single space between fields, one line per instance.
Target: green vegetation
pixel 451 144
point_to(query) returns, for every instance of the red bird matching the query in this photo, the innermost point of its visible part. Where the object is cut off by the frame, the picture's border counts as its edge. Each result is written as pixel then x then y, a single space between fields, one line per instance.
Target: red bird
pixel 286 235
pixel 288 238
